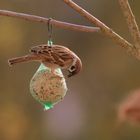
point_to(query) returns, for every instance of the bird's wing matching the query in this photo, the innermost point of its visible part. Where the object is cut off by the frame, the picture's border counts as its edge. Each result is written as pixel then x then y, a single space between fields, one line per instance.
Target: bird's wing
pixel 63 52
pixel 44 52
pixel 54 54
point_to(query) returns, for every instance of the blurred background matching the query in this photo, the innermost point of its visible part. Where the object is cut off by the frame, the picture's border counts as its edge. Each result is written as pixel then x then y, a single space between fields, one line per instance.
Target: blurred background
pixel 89 110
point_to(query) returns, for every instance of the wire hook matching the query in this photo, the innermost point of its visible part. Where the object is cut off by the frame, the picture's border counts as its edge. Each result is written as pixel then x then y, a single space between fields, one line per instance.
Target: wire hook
pixel 50 43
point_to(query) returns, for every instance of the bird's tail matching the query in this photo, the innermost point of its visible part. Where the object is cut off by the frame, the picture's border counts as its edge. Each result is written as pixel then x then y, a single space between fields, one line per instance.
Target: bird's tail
pixel 22 59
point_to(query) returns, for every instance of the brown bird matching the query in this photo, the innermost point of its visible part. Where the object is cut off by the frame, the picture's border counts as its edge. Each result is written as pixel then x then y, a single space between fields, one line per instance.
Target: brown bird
pixel 54 56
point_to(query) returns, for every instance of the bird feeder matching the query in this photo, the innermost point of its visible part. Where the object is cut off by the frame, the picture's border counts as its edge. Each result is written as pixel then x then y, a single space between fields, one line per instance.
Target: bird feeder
pixel 48 87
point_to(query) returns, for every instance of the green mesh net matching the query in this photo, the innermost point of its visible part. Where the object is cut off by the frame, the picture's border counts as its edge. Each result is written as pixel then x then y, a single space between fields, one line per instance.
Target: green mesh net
pixel 48 87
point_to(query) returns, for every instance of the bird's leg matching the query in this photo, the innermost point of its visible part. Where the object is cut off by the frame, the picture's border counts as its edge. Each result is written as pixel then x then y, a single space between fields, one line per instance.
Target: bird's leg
pixel 26 58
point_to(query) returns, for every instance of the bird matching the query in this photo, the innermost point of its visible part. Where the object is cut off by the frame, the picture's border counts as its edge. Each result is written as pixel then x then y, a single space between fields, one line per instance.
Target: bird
pixel 52 56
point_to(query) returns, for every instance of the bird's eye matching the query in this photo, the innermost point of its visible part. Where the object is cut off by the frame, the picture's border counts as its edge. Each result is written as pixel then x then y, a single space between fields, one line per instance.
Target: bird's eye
pixel 72 68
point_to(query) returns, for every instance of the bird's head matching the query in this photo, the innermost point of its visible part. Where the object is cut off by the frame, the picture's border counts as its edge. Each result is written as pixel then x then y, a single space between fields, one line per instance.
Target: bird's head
pixel 75 68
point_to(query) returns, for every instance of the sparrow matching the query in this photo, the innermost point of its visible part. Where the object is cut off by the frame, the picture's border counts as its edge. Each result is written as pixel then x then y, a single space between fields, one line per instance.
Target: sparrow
pixel 52 56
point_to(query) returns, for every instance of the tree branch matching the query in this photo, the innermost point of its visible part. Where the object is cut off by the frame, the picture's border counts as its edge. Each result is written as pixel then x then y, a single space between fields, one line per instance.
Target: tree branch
pixel 56 23
pixel 130 19
pixel 104 29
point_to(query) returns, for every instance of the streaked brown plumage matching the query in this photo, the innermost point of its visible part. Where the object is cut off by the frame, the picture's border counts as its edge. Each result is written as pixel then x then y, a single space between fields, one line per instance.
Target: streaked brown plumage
pixel 52 56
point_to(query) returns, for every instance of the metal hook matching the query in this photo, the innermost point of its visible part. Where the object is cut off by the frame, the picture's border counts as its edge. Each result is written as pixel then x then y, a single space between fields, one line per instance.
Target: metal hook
pixel 50 32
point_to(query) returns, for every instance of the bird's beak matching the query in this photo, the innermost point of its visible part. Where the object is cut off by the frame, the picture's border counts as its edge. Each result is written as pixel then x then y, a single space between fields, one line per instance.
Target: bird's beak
pixel 70 74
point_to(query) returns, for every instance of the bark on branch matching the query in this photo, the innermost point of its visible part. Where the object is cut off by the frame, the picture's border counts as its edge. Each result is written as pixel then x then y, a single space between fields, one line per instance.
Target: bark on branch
pixel 133 49
pixel 104 29
pixel 131 22
pixel 56 23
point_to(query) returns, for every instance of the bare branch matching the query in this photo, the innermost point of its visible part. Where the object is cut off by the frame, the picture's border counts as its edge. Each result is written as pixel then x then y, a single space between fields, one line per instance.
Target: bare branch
pixel 132 24
pixel 56 23
pixel 104 29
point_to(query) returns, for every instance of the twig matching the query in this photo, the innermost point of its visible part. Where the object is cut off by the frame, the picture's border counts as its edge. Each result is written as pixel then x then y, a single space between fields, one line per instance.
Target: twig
pixel 56 23
pixel 132 24
pixel 104 29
